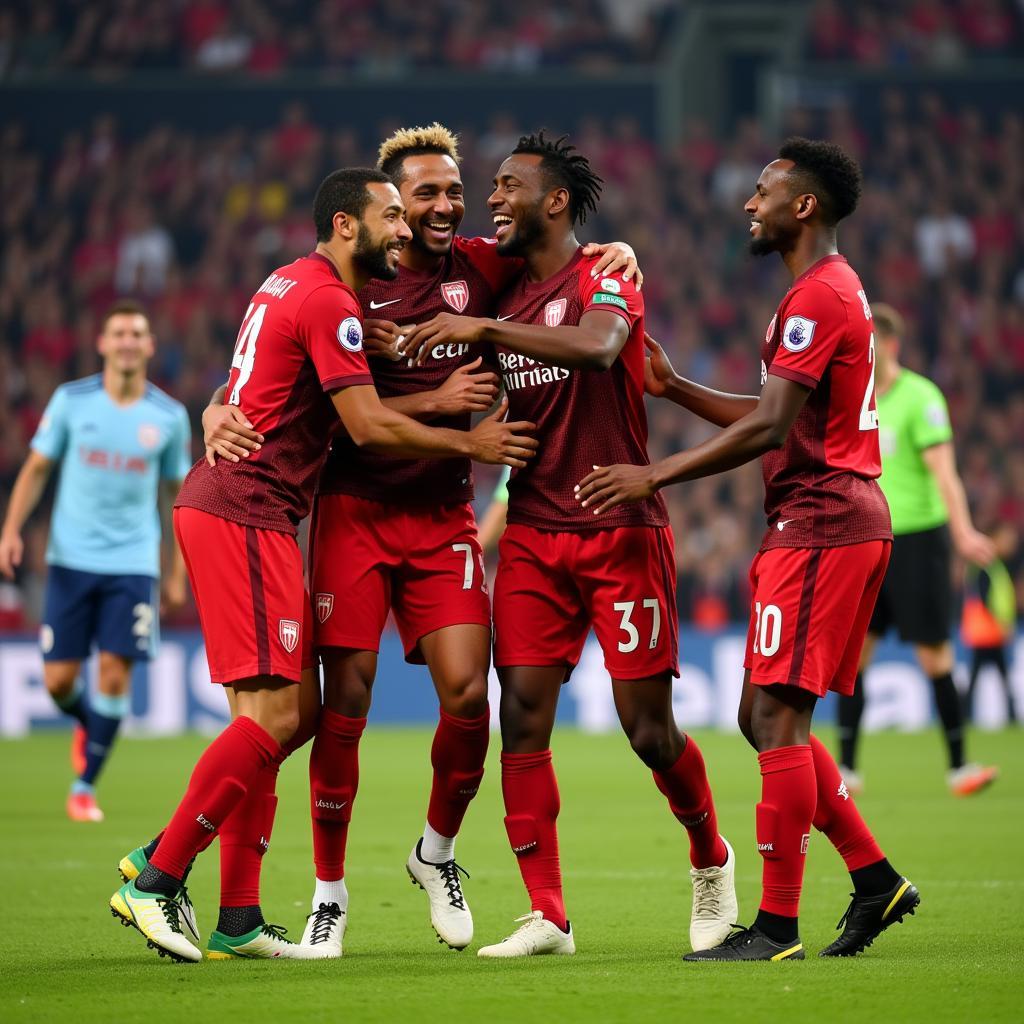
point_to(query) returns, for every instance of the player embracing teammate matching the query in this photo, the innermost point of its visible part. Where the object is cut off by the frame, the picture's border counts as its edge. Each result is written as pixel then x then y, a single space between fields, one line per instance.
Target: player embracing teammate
pixel 569 342
pixel 825 552
pixel 298 367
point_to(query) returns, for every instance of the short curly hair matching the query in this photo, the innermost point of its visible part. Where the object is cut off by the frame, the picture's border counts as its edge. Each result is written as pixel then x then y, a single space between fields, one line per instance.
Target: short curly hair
pixel 828 171
pixel 431 138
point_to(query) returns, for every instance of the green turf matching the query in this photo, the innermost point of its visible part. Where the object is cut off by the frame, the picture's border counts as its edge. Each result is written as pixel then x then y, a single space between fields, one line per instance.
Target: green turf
pixel 64 957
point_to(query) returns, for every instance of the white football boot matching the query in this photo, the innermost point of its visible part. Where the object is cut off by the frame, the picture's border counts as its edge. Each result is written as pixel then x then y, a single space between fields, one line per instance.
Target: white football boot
pixel 449 913
pixel 157 918
pixel 325 931
pixel 535 937
pixel 715 910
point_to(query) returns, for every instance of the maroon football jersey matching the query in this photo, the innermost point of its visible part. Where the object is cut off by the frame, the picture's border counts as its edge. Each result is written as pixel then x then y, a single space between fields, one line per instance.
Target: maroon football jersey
pixel 821 487
pixel 302 336
pixel 584 417
pixel 466 282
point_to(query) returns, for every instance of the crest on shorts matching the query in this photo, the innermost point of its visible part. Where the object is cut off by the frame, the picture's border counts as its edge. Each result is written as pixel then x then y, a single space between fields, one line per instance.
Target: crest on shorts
pixel 554 311
pixel 288 631
pixel 324 606
pixel 456 294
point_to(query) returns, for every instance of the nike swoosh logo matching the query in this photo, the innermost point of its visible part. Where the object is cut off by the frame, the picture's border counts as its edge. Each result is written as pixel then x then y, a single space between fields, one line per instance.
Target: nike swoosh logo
pixel 381 305
pixel 509 317
pixel 781 524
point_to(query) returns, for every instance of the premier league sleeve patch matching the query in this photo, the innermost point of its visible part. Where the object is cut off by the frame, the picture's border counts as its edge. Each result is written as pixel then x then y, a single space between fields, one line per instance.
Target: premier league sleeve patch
pixel 797 333
pixel 350 334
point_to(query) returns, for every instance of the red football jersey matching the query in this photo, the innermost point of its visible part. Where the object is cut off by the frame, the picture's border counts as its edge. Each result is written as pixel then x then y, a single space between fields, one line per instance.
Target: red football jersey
pixel 584 417
pixel 467 282
pixel 821 487
pixel 302 336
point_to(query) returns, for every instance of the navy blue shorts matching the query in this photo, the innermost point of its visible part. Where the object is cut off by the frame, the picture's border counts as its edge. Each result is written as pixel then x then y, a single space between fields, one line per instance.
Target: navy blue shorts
pixel 118 614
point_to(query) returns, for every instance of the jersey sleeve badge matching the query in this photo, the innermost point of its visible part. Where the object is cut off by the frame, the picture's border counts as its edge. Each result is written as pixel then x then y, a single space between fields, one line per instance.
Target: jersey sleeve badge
pixel 797 333
pixel 350 334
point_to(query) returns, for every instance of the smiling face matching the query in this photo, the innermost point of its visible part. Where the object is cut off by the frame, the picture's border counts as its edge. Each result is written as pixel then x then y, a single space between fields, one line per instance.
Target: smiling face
pixel 517 204
pixel 126 343
pixel 775 212
pixel 383 232
pixel 431 189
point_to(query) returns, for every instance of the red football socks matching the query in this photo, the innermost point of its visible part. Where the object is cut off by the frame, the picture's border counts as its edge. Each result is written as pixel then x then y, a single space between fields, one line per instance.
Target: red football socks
pixel 686 786
pixel 219 782
pixel 457 755
pixel 788 798
pixel 837 815
pixel 530 790
pixel 245 838
pixel 333 782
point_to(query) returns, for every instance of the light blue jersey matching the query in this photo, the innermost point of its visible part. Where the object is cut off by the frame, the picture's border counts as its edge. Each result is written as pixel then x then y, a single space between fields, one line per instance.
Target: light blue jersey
pixel 106 517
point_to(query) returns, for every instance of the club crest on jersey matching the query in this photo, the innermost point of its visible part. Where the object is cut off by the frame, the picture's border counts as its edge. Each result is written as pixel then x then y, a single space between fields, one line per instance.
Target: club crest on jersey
pixel 324 606
pixel 797 333
pixel 554 311
pixel 456 294
pixel 288 631
pixel 350 334
pixel 149 435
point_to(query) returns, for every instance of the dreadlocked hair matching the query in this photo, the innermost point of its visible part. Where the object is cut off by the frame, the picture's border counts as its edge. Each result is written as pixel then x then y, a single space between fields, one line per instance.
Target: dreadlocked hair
pixel 419 141
pixel 565 168
pixel 828 171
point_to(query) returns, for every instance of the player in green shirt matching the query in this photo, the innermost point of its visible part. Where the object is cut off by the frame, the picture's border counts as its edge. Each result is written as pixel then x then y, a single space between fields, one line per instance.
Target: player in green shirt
pixel 929 509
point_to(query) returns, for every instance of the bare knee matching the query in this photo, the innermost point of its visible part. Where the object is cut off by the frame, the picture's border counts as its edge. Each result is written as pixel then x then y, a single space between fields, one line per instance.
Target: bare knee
pixel 348 681
pixel 464 697
pixel 746 727
pixel 115 674
pixel 59 677
pixel 655 743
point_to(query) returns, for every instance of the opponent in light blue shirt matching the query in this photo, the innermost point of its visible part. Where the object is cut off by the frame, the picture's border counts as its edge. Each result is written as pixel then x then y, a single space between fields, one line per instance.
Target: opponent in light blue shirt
pixel 116 438
pixel 113 456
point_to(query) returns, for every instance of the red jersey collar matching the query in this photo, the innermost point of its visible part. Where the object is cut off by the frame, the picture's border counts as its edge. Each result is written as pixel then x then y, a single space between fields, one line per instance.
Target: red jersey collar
pixel 545 285
pixel 834 258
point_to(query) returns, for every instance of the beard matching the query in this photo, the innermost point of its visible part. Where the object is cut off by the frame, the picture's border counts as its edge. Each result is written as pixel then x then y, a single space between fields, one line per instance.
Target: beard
pixel 372 256
pixel 524 233
pixel 778 241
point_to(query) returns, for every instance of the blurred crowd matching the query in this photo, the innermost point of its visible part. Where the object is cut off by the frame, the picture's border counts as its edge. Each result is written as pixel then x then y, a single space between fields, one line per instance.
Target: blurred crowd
pixel 939 33
pixel 372 37
pixel 192 224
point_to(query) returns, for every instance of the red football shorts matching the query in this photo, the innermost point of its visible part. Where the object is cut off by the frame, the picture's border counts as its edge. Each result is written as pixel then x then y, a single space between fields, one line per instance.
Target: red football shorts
pixel 810 611
pixel 368 558
pixel 250 595
pixel 552 587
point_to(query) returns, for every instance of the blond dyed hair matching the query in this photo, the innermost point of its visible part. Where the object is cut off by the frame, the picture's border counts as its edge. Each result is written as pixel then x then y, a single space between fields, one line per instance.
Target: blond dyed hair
pixel 432 138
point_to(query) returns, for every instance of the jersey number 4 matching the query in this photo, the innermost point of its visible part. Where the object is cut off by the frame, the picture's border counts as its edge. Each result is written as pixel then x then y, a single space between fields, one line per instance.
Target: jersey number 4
pixel 245 349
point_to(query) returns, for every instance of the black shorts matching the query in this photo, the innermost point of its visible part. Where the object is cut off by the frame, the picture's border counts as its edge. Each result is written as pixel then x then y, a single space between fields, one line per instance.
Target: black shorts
pixel 917 594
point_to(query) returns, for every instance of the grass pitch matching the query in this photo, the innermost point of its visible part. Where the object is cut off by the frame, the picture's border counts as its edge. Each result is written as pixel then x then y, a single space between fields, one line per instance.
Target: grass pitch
pixel 624 859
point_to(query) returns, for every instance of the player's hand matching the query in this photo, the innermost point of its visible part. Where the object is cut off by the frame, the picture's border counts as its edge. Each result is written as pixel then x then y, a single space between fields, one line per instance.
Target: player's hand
pixel 468 389
pixel 173 594
pixel 12 548
pixel 380 340
pixel 658 369
pixel 444 329
pixel 615 256
pixel 974 547
pixel 609 486
pixel 227 433
pixel 503 444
